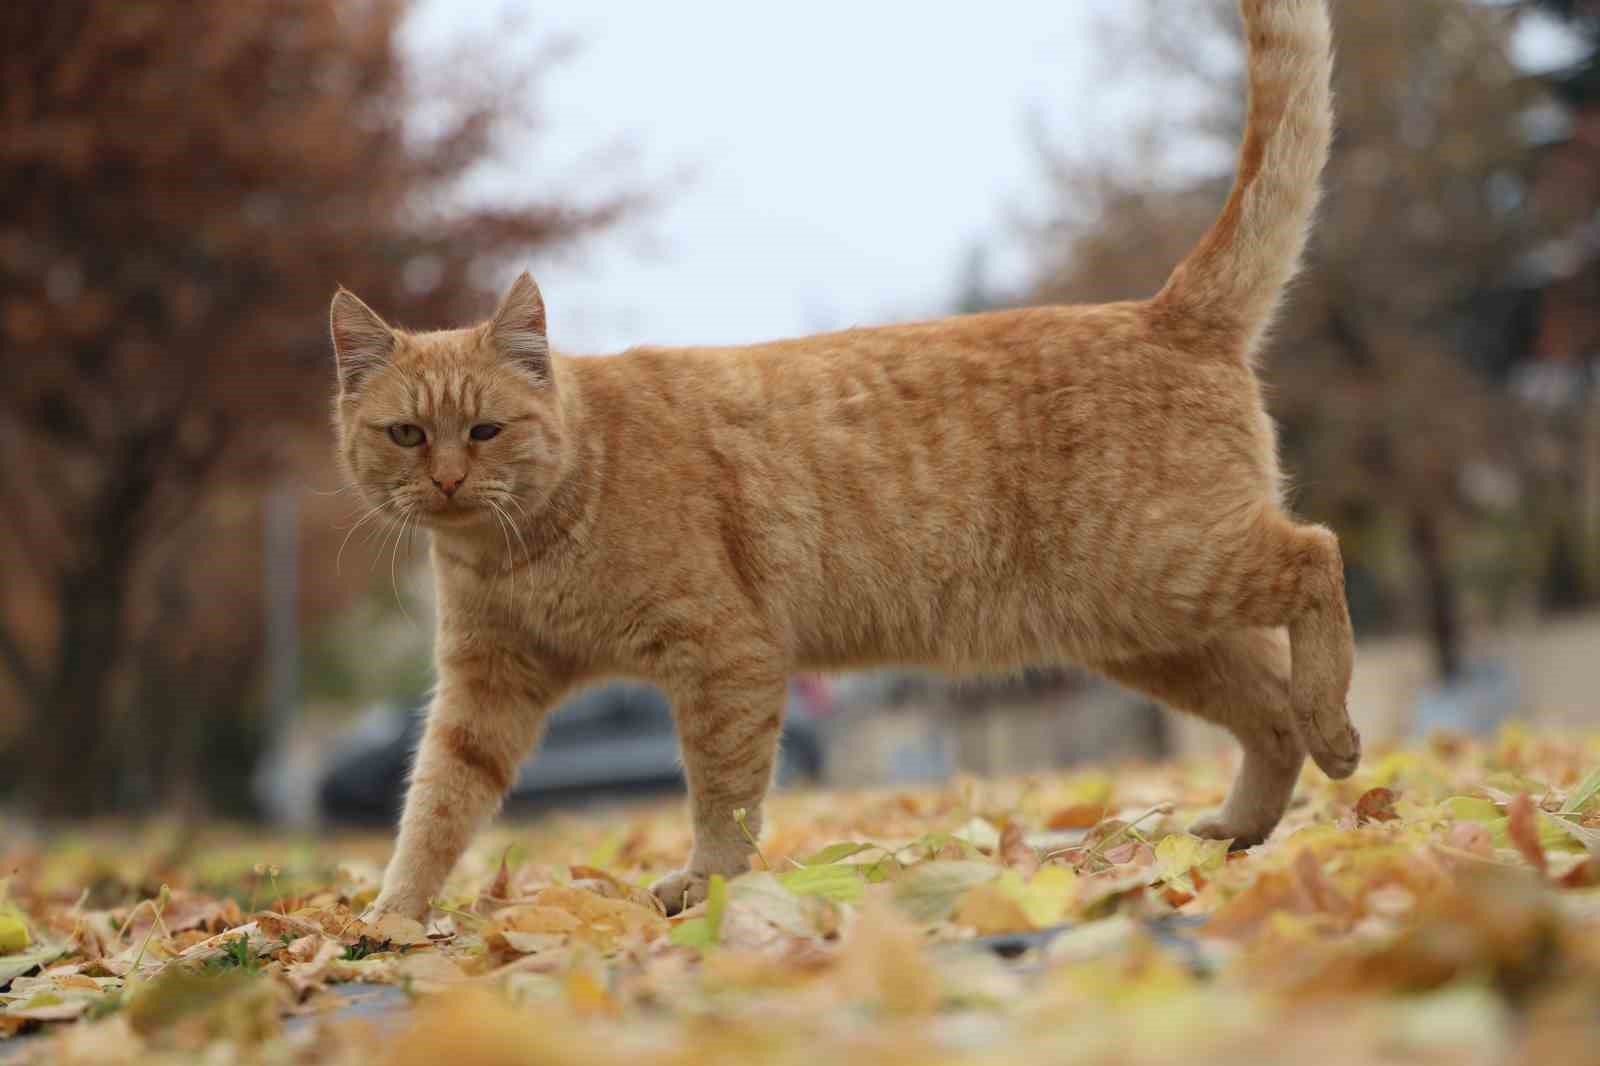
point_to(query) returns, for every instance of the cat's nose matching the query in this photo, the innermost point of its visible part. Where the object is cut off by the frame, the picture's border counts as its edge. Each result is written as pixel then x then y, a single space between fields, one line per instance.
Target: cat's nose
pixel 448 485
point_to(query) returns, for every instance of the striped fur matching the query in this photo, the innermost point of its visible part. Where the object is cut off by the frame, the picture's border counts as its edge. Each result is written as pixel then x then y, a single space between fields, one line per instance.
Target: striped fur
pixel 1096 485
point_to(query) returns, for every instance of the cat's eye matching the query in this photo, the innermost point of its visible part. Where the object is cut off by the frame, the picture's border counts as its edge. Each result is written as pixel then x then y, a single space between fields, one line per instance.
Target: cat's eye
pixel 407 435
pixel 485 431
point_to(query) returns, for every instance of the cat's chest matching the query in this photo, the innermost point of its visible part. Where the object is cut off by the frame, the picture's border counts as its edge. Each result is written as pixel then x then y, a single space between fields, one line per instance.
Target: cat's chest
pixel 523 604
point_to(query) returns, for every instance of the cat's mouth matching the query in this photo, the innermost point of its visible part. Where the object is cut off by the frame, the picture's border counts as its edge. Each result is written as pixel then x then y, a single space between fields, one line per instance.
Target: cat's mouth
pixel 451 512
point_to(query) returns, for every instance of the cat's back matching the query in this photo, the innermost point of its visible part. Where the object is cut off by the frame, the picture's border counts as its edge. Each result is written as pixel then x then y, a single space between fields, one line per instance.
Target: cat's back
pixel 939 364
pixel 1038 377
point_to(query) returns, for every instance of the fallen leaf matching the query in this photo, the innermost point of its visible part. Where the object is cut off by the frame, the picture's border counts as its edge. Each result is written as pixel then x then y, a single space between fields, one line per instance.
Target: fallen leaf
pixel 500 887
pixel 528 943
pixel 838 882
pixel 604 883
pixel 1587 795
pixel 705 930
pixel 1015 850
pixel 1323 895
pixel 14 936
pixel 930 891
pixel 1471 836
pixel 882 962
pixel 1178 855
pixel 835 853
pixel 1078 816
pixel 19 963
pixel 1470 809
pixel 1376 805
pixel 1523 828
pixel 988 910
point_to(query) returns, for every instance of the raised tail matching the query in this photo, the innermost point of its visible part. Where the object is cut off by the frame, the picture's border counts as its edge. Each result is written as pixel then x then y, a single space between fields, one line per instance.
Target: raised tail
pixel 1232 282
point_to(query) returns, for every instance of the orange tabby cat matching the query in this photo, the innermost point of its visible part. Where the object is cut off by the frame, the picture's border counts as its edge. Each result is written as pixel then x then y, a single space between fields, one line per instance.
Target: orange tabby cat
pixel 1089 484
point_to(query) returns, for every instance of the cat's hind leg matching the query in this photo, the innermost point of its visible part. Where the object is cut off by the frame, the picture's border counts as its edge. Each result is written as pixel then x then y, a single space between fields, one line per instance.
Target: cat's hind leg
pixel 1293 576
pixel 1240 681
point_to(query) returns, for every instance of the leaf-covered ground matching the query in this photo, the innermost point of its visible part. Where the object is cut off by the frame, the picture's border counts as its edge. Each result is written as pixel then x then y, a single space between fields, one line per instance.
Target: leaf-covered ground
pixel 1443 906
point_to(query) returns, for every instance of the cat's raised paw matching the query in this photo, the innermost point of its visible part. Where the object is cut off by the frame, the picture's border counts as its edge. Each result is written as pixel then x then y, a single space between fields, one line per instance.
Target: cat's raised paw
pixel 1338 757
pixel 681 890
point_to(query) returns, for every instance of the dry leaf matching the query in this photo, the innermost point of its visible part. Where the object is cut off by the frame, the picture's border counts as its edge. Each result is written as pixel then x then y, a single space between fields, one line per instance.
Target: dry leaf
pixel 1376 805
pixel 1080 816
pixel 1523 827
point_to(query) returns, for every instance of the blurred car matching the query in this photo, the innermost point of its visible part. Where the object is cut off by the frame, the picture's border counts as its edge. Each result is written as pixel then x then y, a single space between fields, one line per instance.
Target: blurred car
pixel 1477 702
pixel 615 740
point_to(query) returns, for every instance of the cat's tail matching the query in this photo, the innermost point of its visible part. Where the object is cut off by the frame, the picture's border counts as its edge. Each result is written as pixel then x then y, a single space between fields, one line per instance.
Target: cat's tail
pixel 1230 285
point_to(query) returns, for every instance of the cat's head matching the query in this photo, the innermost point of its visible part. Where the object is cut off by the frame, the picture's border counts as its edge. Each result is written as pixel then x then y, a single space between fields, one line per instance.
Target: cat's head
pixel 453 424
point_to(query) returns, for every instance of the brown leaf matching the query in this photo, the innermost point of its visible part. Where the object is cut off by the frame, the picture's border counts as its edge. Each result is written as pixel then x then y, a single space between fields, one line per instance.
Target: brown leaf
pixel 1376 805
pixel 1273 891
pixel 1522 826
pixel 1079 816
pixel 1176 897
pixel 604 883
pixel 501 885
pixel 1584 875
pixel 310 970
pixel 1016 852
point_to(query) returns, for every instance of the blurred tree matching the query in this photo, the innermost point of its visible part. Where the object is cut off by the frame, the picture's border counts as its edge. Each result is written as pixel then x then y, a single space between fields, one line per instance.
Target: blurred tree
pixel 1392 433
pixel 184 185
pixel 1561 305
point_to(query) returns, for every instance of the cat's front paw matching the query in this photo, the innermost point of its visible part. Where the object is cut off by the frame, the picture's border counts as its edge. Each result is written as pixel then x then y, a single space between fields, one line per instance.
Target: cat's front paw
pixel 405 906
pixel 681 890
pixel 1243 834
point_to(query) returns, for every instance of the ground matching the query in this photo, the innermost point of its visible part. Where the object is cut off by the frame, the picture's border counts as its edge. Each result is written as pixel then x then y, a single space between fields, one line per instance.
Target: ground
pixel 1442 906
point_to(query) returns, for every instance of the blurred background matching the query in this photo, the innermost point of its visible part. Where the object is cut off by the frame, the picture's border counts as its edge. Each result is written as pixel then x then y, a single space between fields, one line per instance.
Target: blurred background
pixel 189 620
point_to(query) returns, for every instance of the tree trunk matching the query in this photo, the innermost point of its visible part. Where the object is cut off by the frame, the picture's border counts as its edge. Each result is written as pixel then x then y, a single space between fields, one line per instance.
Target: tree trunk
pixel 1440 593
pixel 67 771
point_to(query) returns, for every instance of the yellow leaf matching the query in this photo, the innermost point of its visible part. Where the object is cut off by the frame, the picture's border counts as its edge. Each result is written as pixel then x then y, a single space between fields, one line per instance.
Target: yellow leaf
pixel 1008 904
pixel 1392 767
pixel 1092 789
pixel 989 909
pixel 1047 896
pixel 1470 809
pixel 1180 853
pixel 14 934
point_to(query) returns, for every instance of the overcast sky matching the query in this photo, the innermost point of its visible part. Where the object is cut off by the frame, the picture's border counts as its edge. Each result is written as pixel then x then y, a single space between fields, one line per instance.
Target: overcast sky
pixel 839 158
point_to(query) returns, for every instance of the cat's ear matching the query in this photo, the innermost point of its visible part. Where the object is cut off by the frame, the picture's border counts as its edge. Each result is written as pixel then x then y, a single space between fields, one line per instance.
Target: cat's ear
pixel 517 329
pixel 362 342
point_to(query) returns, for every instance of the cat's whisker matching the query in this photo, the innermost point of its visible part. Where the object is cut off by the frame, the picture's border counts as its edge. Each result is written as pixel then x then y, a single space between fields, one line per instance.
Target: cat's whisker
pixel 508 522
pixel 527 553
pixel 394 583
pixel 338 561
pixel 500 520
pixel 392 525
pixel 411 536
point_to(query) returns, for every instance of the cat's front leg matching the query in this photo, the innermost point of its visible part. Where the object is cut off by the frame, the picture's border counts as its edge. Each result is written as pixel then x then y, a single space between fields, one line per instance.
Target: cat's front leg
pixel 729 732
pixel 486 716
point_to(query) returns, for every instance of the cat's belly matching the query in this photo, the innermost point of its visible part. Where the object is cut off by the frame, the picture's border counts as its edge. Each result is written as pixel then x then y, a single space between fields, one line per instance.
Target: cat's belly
pixel 963 627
